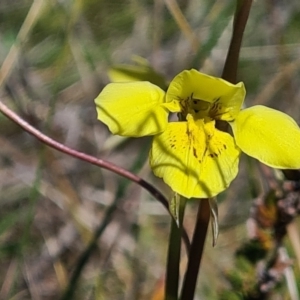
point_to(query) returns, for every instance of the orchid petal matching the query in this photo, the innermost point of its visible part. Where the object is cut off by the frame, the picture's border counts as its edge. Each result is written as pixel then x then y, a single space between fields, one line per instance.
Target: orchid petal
pixel 224 99
pixel 220 163
pixel 193 163
pixel 269 136
pixel 133 108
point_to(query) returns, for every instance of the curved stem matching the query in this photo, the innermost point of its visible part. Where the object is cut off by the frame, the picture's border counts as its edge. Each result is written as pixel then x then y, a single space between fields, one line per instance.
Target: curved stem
pixel 80 155
pixel 90 159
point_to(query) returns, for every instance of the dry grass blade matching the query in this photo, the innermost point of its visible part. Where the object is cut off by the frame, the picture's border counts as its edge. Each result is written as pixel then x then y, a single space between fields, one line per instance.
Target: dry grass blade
pixel 31 18
pixel 277 82
pixel 294 236
pixel 183 24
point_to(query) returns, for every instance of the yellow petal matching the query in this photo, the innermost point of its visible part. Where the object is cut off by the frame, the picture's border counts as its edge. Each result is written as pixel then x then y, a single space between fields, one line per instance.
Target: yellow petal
pixel 268 135
pixel 176 157
pixel 225 98
pixel 132 109
pixel 180 156
pixel 220 163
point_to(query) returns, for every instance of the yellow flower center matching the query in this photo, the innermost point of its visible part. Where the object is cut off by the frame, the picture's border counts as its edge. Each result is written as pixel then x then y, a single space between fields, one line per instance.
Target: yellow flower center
pixel 201 109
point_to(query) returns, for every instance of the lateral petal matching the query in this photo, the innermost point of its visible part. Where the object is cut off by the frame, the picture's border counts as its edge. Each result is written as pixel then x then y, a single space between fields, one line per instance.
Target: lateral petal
pixel 269 136
pixel 132 108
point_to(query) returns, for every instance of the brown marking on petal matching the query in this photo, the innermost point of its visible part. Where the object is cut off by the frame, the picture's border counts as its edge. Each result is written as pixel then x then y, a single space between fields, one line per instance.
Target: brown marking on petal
pixel 195 153
pixel 224 146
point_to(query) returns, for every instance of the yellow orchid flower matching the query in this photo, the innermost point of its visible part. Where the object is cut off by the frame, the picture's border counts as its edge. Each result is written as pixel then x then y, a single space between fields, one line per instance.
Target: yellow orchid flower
pixel 193 156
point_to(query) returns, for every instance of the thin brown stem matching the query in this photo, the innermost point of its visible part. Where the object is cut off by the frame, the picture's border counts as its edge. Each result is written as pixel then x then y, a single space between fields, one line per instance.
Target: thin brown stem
pixel 239 24
pixel 62 148
pixel 89 159
pixel 196 251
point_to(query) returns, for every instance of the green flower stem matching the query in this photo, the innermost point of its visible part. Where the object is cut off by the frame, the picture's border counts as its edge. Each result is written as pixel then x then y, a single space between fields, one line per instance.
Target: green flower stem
pixel 173 263
pixel 239 24
pixel 195 254
pixel 90 159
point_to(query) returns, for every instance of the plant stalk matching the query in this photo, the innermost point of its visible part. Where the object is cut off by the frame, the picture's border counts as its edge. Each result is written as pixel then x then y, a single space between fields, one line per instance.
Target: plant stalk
pixel 196 251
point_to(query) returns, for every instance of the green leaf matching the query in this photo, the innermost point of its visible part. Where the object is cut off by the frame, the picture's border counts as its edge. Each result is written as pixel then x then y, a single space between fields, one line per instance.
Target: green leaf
pixel 174 206
pixel 141 71
pixel 214 221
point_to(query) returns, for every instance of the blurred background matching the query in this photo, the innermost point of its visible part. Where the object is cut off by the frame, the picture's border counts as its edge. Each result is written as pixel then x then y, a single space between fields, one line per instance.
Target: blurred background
pixel 55 57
